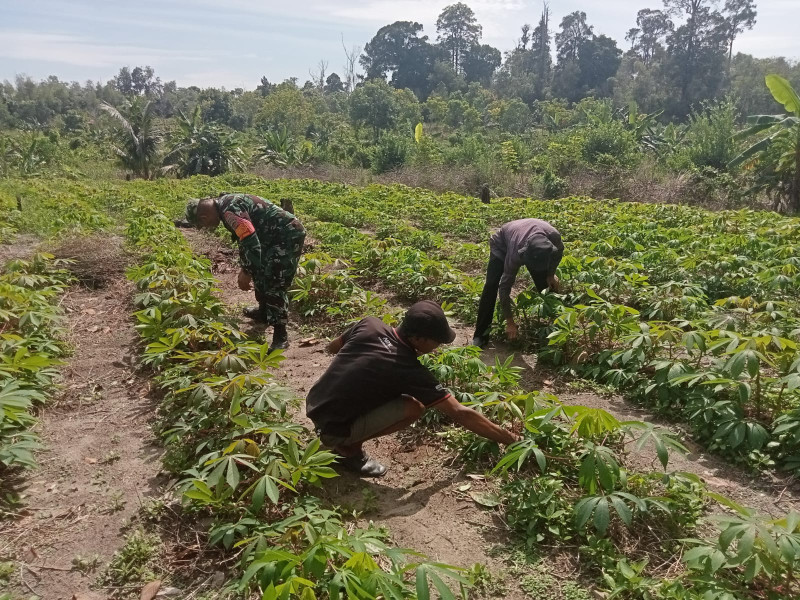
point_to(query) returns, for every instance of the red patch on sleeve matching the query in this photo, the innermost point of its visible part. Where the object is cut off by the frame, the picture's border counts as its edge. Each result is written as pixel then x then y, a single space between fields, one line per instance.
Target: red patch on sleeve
pixel 240 225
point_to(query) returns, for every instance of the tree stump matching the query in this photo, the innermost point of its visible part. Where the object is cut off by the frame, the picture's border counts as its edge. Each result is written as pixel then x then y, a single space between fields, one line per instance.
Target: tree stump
pixel 486 194
pixel 287 205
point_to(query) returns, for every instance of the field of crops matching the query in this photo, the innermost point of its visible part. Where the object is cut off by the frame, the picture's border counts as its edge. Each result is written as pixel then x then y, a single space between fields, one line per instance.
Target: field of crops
pixel 693 314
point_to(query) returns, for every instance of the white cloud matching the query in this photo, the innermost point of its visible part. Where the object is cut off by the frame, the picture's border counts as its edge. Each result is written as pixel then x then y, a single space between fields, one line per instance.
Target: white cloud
pixel 79 51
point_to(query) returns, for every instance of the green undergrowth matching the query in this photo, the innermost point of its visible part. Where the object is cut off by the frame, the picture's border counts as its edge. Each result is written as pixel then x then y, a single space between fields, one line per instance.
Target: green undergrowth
pixel 32 339
pixel 568 483
pixel 692 313
pixel 238 456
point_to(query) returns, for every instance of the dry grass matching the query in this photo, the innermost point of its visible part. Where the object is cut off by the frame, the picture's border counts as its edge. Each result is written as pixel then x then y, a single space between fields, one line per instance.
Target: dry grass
pixel 646 183
pixel 97 260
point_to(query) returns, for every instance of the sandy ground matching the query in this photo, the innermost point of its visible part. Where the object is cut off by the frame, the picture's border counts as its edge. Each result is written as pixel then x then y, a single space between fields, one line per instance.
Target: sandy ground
pixel 100 461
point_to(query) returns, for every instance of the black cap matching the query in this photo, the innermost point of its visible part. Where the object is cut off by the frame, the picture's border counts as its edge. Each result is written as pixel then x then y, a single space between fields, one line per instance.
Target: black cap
pixel 538 253
pixel 427 319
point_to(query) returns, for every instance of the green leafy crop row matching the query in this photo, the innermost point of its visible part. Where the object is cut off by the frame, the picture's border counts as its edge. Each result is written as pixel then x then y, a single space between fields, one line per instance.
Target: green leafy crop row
pixel 239 457
pixel 567 482
pixel 31 342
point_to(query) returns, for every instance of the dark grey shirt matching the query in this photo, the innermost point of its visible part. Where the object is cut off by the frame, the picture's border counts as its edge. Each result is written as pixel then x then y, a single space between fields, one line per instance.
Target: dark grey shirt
pixel 374 366
pixel 508 244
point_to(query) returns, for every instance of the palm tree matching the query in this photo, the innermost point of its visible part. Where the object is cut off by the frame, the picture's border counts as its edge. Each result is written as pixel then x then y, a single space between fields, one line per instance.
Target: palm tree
pixel 776 157
pixel 138 137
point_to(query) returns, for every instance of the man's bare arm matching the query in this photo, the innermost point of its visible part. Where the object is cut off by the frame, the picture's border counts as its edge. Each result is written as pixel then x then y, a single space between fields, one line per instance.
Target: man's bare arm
pixel 335 345
pixel 475 421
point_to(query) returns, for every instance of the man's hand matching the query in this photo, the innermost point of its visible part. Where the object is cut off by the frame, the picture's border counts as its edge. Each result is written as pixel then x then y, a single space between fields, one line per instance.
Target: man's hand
pixel 553 283
pixel 335 345
pixel 245 280
pixel 512 330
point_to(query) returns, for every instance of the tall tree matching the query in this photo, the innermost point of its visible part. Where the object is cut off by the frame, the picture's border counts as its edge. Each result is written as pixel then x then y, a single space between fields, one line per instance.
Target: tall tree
pixel 540 53
pixel 585 62
pixel 696 49
pixel 351 57
pixel 265 87
pixel 374 105
pixel 141 81
pixel 574 32
pixel 599 59
pixel 458 31
pixel 525 37
pixel 480 63
pixel 652 28
pixel 740 15
pixel 319 74
pixel 399 49
pixel 333 84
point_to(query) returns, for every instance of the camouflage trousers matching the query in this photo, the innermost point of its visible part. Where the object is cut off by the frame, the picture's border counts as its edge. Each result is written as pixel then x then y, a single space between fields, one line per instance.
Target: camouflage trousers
pixel 273 281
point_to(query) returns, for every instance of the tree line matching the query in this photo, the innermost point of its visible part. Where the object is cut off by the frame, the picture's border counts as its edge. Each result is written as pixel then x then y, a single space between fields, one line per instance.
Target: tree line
pixel 565 101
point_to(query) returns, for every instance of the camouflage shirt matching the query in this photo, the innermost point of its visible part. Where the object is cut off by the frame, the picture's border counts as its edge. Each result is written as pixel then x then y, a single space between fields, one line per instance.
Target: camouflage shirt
pixel 256 224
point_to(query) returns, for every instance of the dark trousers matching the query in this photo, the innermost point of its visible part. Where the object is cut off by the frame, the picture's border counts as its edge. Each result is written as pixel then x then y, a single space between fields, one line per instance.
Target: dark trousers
pixel 489 296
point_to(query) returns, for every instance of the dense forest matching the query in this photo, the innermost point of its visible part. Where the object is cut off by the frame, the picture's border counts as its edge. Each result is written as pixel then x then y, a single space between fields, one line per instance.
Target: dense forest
pixel 568 110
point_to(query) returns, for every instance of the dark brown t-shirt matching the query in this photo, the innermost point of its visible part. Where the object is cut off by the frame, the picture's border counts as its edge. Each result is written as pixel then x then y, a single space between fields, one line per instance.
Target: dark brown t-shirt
pixel 373 367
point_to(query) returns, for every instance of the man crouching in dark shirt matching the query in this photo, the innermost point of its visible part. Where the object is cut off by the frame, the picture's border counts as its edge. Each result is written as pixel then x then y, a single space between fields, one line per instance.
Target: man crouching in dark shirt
pixel 376 386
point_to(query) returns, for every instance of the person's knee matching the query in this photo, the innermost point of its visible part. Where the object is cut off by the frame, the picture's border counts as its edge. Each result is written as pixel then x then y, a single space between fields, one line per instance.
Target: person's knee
pixel 414 409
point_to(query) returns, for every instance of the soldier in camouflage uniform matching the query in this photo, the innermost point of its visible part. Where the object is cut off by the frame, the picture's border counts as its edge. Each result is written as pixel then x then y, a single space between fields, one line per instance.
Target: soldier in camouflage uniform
pixel 270 242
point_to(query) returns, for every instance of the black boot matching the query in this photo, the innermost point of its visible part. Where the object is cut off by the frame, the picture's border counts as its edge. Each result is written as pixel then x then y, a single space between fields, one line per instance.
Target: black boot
pixel 280 338
pixel 257 313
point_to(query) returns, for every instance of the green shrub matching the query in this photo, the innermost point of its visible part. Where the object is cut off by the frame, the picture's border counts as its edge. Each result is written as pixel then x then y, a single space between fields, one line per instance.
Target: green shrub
pixel 389 154
pixel 708 141
pixel 609 144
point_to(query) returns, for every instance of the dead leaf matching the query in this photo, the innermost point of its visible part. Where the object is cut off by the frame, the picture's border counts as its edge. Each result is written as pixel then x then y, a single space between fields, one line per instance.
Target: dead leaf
pixel 465 487
pixel 487 499
pixel 89 311
pixel 150 590
pixel 169 592
pixel 476 476
pixel 218 579
pixel 89 460
pixel 312 341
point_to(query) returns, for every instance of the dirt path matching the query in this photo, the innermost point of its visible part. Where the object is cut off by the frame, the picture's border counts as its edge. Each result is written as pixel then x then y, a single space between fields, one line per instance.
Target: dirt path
pixel 100 460
pixel 23 246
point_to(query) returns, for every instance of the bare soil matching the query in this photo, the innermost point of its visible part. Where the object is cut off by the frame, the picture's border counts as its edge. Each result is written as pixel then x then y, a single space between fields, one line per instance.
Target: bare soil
pixel 23 246
pixel 100 461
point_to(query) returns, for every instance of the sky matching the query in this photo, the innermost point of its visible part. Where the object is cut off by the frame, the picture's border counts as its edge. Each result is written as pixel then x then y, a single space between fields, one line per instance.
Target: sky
pixel 232 43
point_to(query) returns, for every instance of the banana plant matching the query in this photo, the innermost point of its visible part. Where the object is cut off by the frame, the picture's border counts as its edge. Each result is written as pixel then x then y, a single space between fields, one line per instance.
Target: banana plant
pixel 776 157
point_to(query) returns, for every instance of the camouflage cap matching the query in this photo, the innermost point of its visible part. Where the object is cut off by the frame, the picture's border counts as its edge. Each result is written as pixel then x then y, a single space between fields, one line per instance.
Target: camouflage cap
pixel 191 211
